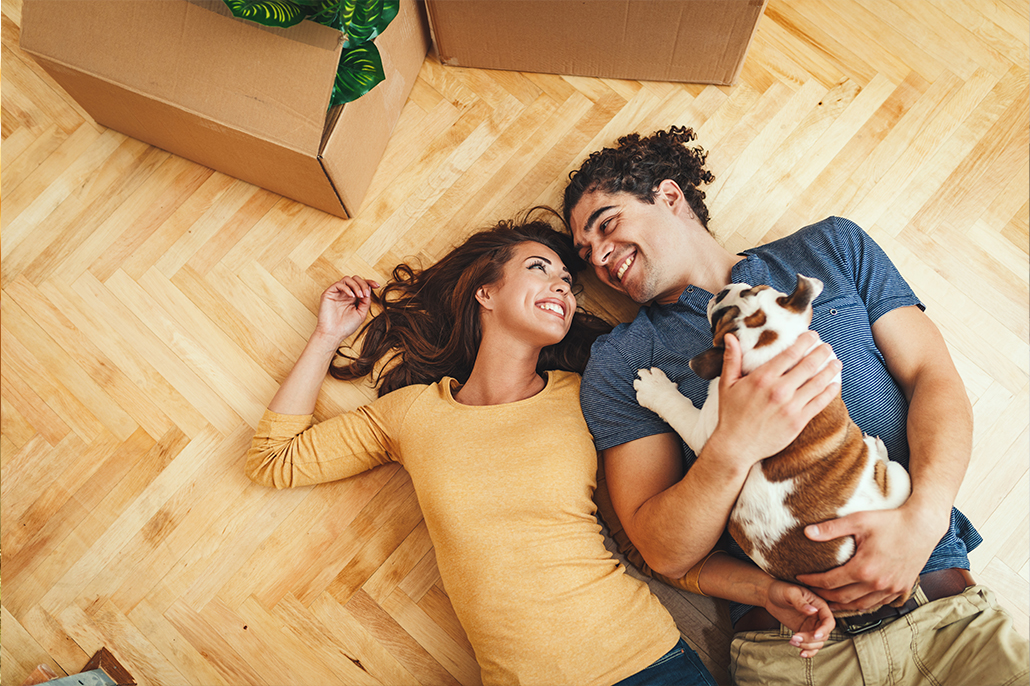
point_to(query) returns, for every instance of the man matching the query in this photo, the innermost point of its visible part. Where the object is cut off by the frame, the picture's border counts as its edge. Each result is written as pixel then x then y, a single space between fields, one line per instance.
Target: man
pixel 637 215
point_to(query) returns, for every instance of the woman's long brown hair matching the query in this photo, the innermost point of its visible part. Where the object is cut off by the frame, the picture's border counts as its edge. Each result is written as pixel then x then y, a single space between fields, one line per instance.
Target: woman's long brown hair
pixel 429 328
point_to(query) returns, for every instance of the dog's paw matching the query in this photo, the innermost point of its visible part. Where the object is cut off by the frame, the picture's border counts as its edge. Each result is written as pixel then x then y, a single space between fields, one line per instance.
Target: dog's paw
pixel 653 388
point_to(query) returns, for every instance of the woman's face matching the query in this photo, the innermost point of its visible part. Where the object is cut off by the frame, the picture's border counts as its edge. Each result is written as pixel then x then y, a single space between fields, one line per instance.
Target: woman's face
pixel 533 299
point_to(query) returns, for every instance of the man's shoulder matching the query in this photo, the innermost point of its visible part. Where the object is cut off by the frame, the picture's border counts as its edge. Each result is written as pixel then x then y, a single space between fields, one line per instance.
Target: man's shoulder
pixel 641 325
pixel 823 233
pixel 834 242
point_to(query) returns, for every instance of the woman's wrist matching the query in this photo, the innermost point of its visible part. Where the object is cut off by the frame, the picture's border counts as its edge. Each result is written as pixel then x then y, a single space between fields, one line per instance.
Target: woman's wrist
pixel 324 344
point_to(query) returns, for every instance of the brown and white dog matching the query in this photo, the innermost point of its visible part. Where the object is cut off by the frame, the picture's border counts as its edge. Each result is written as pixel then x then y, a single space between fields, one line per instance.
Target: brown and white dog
pixel 830 470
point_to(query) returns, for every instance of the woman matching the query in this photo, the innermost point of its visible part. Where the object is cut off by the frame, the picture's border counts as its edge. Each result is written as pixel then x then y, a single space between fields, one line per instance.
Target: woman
pixel 480 403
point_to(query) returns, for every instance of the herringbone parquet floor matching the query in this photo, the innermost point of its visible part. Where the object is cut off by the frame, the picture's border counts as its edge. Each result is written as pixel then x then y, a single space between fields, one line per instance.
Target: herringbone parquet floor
pixel 151 306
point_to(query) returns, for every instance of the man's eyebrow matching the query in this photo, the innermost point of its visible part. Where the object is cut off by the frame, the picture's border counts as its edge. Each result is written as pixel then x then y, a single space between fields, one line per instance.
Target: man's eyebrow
pixel 594 215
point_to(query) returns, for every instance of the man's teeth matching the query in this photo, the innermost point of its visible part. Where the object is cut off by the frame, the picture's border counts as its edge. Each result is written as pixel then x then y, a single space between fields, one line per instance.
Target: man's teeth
pixel 624 267
pixel 553 307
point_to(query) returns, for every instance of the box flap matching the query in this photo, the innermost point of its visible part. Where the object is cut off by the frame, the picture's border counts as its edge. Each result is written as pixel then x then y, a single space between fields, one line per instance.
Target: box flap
pixel 351 160
pixel 195 54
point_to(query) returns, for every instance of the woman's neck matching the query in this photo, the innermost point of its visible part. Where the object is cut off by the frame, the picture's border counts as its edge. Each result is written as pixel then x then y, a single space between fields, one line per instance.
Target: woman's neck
pixel 501 378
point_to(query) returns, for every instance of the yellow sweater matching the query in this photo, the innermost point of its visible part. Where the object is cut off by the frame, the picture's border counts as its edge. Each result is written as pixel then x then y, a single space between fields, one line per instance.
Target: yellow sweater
pixel 506 494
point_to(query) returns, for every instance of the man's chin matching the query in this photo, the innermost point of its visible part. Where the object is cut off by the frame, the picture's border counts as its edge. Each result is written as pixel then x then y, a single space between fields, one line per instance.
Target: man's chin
pixel 641 296
pixel 626 289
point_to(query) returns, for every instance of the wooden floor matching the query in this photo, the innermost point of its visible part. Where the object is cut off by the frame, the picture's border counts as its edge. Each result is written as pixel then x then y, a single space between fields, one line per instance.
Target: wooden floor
pixel 151 306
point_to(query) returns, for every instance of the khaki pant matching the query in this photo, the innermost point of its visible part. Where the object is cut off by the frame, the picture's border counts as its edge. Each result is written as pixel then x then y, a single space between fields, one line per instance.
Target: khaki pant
pixel 964 640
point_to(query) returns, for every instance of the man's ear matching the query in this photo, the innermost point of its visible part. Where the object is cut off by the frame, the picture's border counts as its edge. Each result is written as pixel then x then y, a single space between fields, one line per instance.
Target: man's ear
pixel 670 193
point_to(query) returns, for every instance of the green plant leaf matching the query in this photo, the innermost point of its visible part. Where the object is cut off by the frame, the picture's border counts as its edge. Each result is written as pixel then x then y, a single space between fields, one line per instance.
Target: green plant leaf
pixel 360 20
pixel 360 70
pixel 269 12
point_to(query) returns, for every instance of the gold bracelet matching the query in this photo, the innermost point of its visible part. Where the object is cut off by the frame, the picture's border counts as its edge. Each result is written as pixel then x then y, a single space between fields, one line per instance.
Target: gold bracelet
pixel 692 579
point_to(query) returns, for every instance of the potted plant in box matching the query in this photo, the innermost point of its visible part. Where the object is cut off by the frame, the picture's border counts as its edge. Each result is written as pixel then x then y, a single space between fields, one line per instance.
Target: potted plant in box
pixel 361 67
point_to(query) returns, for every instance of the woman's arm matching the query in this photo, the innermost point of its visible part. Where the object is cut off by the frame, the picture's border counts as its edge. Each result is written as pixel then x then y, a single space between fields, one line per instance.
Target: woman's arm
pixel 286 449
pixel 802 611
pixel 341 311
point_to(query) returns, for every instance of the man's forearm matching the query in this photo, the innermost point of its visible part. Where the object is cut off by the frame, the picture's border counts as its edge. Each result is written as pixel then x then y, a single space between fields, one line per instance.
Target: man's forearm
pixel 677 527
pixel 940 419
pixel 940 429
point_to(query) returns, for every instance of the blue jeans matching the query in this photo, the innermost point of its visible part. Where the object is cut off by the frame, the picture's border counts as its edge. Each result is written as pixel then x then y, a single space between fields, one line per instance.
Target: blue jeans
pixel 679 667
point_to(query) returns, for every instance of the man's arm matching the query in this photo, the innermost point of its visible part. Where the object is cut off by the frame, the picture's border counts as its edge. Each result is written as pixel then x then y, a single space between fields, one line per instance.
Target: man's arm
pixel 672 519
pixel 675 519
pixel 894 545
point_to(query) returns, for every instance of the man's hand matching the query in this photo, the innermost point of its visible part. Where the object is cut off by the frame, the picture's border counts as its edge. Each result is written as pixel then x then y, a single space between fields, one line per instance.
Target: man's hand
pixel 761 413
pixel 892 546
pixel 803 612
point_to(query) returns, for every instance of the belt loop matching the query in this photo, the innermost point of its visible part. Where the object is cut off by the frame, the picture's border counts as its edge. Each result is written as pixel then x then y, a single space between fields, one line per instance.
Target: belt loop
pixel 920 596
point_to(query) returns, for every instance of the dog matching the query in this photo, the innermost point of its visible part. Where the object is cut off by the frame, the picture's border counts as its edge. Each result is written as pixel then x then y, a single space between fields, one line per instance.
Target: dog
pixel 830 470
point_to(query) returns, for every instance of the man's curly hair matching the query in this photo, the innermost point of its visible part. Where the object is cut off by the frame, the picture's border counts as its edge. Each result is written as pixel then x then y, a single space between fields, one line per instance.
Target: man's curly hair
pixel 637 165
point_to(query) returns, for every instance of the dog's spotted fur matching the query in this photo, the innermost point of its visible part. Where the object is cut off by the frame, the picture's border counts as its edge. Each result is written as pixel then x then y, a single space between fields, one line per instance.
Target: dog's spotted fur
pixel 830 470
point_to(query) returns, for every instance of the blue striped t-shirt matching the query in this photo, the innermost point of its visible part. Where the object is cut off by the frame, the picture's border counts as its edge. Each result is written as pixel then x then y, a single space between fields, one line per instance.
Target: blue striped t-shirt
pixel 860 285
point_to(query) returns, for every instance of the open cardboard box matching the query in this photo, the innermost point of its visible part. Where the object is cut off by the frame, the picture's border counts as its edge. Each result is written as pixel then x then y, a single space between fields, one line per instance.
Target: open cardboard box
pixel 247 100
pixel 692 41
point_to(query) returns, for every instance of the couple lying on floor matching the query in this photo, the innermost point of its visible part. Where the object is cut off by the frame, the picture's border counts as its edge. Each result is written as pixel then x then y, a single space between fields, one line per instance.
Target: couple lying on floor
pixel 482 401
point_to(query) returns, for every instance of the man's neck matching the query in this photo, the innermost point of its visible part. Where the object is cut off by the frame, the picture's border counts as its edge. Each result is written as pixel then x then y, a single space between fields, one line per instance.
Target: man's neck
pixel 710 268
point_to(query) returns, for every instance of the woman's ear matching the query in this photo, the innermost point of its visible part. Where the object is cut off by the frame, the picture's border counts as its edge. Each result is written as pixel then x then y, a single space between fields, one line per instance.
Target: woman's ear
pixel 483 297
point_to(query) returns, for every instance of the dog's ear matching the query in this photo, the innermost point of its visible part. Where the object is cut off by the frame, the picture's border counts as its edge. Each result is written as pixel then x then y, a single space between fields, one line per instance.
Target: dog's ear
pixel 806 290
pixel 723 322
pixel 708 364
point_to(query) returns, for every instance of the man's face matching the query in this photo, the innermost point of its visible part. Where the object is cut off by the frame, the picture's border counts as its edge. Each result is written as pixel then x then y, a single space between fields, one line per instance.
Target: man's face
pixel 629 243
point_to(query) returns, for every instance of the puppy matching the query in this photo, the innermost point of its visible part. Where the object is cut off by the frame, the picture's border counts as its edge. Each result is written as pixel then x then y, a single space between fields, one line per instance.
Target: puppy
pixel 830 470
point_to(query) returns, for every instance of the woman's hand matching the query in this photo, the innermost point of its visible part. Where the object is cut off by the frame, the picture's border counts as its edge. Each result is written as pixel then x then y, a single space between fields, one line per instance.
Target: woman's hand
pixel 803 612
pixel 343 307
pixel 341 310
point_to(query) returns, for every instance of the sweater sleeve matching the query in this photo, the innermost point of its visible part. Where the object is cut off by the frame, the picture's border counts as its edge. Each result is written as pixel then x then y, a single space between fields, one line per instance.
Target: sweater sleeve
pixel 292 450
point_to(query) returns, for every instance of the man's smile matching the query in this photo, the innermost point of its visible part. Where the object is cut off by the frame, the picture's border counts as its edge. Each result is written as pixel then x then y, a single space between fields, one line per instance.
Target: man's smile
pixel 621 271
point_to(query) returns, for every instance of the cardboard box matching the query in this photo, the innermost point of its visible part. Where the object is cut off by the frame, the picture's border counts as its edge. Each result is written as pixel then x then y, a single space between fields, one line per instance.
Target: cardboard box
pixel 247 100
pixel 693 41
